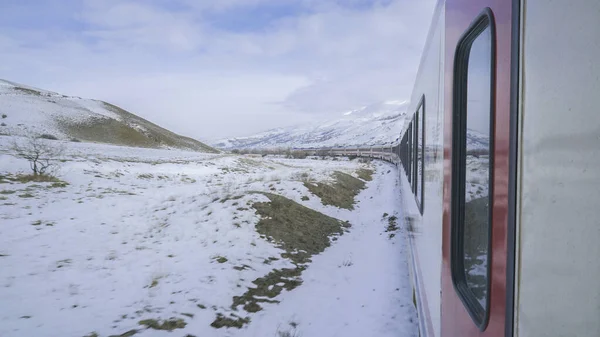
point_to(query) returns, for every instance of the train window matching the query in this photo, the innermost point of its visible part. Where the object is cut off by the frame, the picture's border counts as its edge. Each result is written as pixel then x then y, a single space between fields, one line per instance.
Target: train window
pixel 405 152
pixel 414 150
pixel 420 154
pixel 472 167
pixel 410 153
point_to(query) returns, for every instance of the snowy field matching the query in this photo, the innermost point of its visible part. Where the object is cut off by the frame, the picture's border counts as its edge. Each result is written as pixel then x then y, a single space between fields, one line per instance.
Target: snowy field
pixel 142 234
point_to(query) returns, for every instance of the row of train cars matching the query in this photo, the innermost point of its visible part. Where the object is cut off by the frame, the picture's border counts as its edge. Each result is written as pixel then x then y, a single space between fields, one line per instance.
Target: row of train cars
pixel 501 153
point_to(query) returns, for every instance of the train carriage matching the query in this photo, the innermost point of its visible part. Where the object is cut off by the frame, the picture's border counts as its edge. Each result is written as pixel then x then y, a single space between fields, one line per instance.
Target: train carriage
pixel 499 162
pixel 501 158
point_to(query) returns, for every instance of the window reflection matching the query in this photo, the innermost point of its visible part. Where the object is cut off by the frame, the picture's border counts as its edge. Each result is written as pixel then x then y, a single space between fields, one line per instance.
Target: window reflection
pixel 477 166
pixel 410 154
pixel 421 140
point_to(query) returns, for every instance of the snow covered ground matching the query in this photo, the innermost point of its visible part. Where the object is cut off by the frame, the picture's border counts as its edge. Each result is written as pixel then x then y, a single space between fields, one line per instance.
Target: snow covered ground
pixel 477 177
pixel 143 234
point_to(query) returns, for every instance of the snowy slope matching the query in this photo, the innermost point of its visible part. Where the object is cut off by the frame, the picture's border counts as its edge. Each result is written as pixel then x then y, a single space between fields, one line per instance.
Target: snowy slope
pixel 26 110
pixel 477 140
pixel 374 124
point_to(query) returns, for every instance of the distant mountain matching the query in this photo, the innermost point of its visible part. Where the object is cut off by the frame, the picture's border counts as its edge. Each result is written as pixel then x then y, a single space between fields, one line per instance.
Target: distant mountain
pixel 25 110
pixel 477 140
pixel 370 125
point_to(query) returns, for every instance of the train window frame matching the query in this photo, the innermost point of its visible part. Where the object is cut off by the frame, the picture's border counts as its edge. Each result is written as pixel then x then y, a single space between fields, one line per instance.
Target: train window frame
pixel 420 120
pixel 415 152
pixel 405 152
pixel 484 20
pixel 409 154
pixel 412 154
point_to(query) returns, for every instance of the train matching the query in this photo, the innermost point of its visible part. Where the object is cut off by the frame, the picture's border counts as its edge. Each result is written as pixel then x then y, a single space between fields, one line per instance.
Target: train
pixel 500 167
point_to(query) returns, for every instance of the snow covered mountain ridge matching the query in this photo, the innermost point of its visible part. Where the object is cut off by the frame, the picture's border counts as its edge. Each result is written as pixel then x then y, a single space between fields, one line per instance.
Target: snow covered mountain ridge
pixel 369 125
pixel 26 110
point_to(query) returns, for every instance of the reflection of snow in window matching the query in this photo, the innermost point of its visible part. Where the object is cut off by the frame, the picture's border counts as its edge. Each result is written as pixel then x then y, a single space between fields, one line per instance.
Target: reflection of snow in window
pixel 477 166
pixel 420 159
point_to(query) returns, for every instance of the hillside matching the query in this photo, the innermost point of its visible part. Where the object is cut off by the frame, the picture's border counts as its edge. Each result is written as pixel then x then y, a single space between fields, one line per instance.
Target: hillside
pixel 374 124
pixel 26 110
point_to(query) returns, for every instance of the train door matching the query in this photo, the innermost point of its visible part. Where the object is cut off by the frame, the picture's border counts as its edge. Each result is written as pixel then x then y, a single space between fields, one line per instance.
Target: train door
pixel 475 243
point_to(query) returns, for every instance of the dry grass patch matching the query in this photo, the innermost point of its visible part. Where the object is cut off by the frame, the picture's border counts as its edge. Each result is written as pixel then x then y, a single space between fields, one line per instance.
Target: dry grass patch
pixel 6 178
pixel 268 287
pixel 242 267
pixel 169 324
pixel 60 184
pixel 220 259
pixel 234 321
pixel 27 91
pixel 365 174
pixel 128 130
pixel 295 227
pixel 299 230
pixel 392 226
pixel 38 178
pixel 340 193
pixel 154 282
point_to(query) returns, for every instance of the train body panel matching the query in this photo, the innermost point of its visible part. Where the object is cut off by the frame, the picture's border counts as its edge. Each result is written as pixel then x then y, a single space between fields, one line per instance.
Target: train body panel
pixel 558 227
pixel 425 213
pixel 477 101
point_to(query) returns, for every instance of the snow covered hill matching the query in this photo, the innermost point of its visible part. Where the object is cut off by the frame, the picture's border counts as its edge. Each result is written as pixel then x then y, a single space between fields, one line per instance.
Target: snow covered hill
pixel 477 140
pixel 374 124
pixel 26 110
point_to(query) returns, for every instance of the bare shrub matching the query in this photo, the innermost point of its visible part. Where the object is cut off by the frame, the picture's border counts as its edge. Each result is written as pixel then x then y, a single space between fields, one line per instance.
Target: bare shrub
pixel 322 153
pixel 296 154
pixel 478 152
pixel 348 262
pixel 48 136
pixel 43 157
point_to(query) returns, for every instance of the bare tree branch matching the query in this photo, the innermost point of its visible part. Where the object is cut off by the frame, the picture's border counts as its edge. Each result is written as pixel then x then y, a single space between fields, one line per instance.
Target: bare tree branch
pixel 43 155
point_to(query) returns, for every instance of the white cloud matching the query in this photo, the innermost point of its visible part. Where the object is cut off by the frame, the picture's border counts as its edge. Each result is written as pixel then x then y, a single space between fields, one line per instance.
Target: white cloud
pixel 172 65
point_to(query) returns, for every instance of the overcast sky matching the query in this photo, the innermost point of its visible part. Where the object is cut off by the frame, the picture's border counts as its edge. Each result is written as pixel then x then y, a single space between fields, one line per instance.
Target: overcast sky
pixel 218 68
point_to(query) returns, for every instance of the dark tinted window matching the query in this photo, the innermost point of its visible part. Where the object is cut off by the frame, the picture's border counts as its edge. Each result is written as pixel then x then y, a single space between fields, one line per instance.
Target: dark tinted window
pixel 410 153
pixel 477 164
pixel 472 168
pixel 420 149
pixel 414 150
